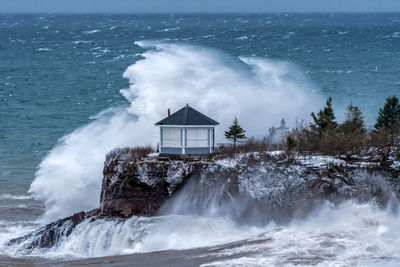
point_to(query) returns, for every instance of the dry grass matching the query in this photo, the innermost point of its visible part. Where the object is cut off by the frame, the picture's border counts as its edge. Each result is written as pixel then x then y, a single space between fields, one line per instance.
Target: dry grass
pixel 332 142
pixel 337 143
pixel 135 153
pixel 251 145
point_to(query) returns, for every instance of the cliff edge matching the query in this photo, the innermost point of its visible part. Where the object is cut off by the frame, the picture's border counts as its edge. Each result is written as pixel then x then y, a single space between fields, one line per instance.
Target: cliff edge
pixel 264 185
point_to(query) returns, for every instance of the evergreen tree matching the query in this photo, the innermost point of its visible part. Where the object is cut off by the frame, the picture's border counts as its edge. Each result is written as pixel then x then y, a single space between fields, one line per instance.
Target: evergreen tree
pixel 272 132
pixel 282 129
pixel 290 144
pixel 235 133
pixel 276 134
pixel 282 126
pixel 389 116
pixel 354 122
pixel 324 120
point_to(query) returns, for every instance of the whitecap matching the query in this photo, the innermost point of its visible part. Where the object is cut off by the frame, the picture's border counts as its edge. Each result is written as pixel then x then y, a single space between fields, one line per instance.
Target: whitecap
pixel 396 35
pixel 91 32
pixel 6 196
pixel 288 35
pixel 169 29
pixel 81 42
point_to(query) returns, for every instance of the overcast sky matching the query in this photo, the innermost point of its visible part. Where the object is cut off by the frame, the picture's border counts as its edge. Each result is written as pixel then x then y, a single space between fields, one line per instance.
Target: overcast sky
pixel 171 6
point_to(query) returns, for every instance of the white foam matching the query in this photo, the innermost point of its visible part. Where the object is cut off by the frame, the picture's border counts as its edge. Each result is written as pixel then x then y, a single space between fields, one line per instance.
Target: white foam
pixel 69 178
pixel 344 235
pixel 242 38
pixel 143 234
pixel 347 235
pixel 169 29
pixel 6 196
pixel 9 230
pixel 258 91
pixel 91 32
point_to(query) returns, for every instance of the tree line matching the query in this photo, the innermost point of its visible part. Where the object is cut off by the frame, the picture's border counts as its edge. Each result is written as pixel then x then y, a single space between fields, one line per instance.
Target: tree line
pixel 325 135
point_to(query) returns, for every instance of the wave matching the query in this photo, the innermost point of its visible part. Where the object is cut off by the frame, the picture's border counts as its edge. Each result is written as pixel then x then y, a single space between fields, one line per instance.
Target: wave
pixel 351 234
pixel 258 91
pixel 9 229
pixel 91 32
pixel 242 38
pixel 143 234
pixel 169 29
pixel 347 234
pixel 7 196
pixel 69 178
pixel 270 216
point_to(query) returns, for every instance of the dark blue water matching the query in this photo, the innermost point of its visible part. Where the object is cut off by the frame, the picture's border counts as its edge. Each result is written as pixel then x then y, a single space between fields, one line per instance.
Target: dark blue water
pixel 56 71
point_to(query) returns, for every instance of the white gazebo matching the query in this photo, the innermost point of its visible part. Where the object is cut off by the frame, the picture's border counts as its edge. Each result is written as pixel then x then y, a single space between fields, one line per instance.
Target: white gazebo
pixel 187 132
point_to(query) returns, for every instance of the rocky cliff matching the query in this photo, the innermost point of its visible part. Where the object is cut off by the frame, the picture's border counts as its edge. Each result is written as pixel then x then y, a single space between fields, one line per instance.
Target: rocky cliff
pixel 140 186
pixel 253 186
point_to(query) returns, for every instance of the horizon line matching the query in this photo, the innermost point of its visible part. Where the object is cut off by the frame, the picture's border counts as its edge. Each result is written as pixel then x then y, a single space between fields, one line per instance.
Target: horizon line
pixel 197 13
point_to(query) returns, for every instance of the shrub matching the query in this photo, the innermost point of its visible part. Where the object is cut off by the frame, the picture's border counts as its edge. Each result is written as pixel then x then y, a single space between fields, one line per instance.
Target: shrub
pixel 290 145
pixel 251 145
pixel 306 140
pixel 131 153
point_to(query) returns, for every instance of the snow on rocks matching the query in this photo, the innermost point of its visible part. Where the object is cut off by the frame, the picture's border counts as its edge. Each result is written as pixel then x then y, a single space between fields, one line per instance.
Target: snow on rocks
pixel 319 161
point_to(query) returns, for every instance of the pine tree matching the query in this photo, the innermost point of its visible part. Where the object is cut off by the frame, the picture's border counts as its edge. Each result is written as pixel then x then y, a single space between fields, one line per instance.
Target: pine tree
pixel 235 133
pixel 354 122
pixel 324 120
pixel 389 116
pixel 282 126
pixel 276 134
pixel 272 132
pixel 282 129
pixel 290 144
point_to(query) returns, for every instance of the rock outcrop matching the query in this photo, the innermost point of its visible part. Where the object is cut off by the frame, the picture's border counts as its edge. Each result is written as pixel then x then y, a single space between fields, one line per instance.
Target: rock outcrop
pixel 49 235
pixel 250 185
pixel 137 186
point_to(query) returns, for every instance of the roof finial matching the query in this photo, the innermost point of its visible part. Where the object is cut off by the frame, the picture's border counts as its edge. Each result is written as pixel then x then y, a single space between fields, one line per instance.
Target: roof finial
pixel 187 105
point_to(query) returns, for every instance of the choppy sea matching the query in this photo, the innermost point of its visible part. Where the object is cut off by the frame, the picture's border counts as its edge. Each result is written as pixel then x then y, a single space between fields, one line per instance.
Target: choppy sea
pixel 73 87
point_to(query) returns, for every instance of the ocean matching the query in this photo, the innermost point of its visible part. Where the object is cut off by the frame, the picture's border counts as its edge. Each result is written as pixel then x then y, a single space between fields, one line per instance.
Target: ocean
pixel 73 87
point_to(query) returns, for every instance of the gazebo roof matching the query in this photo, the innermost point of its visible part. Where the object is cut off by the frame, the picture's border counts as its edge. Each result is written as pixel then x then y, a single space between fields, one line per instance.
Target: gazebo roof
pixel 187 116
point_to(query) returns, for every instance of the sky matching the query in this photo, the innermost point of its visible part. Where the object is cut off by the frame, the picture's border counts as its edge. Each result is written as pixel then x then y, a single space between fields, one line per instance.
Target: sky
pixel 193 6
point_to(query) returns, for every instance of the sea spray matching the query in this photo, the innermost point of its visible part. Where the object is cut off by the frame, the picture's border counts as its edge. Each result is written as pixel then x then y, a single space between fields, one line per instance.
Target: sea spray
pixel 257 91
pixel 69 178
pixel 240 205
pixel 347 234
pixel 350 234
